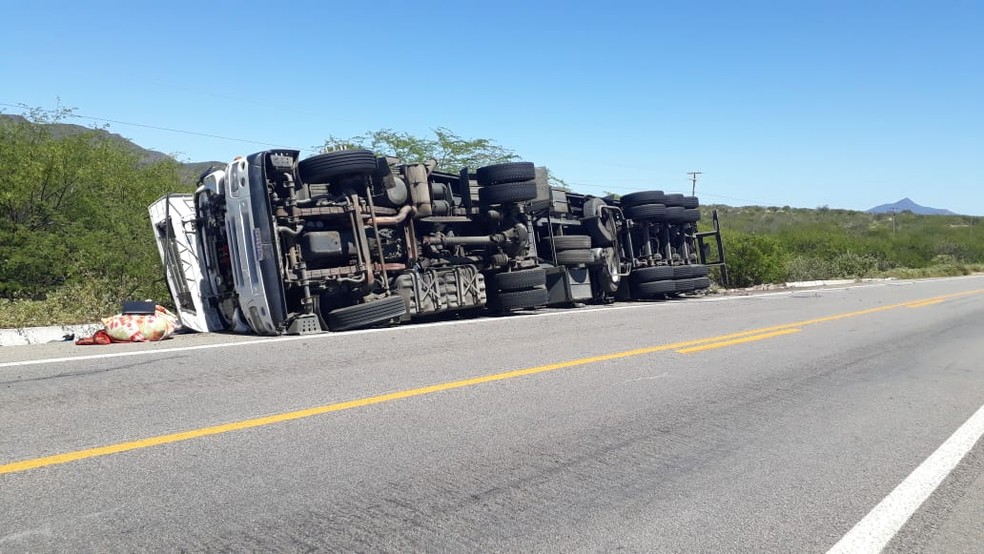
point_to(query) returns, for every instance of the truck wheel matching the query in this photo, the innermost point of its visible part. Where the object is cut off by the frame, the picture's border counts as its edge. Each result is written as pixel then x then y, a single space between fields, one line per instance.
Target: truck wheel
pixel 689 271
pixel 654 212
pixel 364 315
pixel 654 288
pixel 684 285
pixel 701 283
pixel 649 274
pixel 690 215
pixel 592 207
pixel 522 279
pixel 607 277
pixel 531 298
pixel 575 257
pixel 690 202
pixel 507 192
pixel 643 197
pixel 602 236
pixel 675 214
pixel 324 167
pixel 513 172
pixel 571 242
pixel 673 200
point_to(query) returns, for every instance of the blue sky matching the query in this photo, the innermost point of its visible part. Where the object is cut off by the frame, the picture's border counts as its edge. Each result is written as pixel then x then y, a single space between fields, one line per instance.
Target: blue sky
pixel 846 104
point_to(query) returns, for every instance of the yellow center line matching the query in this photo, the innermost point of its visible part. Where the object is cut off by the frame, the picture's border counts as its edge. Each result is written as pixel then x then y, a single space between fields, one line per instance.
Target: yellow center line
pixel 923 304
pixel 711 342
pixel 732 342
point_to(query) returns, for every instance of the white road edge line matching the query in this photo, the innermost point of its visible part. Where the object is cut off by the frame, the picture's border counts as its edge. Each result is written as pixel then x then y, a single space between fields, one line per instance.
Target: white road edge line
pixel 401 328
pixel 884 521
pixel 329 335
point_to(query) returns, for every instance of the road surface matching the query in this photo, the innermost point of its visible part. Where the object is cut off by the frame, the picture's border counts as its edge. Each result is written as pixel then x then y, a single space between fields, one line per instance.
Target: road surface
pixel 845 418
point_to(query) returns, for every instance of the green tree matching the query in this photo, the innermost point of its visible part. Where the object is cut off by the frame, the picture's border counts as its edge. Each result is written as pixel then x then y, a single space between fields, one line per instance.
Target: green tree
pixel 450 150
pixel 73 212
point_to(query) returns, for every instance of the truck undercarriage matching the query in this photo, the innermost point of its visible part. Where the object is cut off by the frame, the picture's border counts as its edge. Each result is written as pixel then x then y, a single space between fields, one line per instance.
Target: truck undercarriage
pixel 273 244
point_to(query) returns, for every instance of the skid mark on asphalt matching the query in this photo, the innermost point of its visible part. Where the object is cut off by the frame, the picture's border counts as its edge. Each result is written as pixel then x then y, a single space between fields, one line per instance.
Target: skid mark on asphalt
pixel 708 343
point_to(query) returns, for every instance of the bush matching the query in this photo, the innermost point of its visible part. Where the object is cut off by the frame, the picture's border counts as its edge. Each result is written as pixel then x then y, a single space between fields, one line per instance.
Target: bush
pixel 754 259
pixel 850 265
pixel 944 270
pixel 75 303
pixel 809 268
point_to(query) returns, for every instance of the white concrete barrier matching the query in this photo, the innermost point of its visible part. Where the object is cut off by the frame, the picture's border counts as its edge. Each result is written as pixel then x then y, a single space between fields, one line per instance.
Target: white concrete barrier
pixel 38 335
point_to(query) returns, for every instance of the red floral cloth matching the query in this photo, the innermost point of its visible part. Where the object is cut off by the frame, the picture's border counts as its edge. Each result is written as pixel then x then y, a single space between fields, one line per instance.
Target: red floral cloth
pixel 135 328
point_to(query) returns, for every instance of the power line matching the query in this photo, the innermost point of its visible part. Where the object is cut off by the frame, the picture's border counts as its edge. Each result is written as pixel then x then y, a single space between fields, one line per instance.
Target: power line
pixel 155 127
pixel 756 202
pixel 606 188
pixel 196 133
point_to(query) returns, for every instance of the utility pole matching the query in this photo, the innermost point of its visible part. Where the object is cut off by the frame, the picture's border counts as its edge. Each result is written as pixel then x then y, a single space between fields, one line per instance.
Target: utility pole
pixel 894 215
pixel 693 181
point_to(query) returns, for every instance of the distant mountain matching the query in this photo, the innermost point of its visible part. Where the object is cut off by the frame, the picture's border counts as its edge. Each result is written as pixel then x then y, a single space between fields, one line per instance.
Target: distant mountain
pixel 189 171
pixel 907 204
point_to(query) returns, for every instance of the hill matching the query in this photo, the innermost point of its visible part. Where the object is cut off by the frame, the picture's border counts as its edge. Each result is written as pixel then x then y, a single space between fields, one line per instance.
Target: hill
pixel 773 244
pixel 907 204
pixel 189 171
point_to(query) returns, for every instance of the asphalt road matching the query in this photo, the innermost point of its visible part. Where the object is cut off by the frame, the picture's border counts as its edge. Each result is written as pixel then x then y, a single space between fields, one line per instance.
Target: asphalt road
pixel 767 423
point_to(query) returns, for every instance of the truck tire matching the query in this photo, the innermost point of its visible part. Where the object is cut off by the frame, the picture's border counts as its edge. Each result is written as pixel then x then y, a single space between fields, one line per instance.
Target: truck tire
pixel 684 285
pixel 324 167
pixel 674 199
pixel 507 192
pixel 675 214
pixel 690 202
pixel 531 298
pixel 592 207
pixel 571 242
pixel 600 233
pixel 364 315
pixel 607 278
pixel 513 172
pixel 522 279
pixel 643 197
pixel 690 215
pixel 575 257
pixel 689 271
pixel 683 272
pixel 701 283
pixel 648 274
pixel 654 288
pixel 651 212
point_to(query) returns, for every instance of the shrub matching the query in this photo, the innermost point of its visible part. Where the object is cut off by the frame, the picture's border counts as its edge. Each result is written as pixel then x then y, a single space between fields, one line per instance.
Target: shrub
pixel 754 259
pixel 853 265
pixel 809 268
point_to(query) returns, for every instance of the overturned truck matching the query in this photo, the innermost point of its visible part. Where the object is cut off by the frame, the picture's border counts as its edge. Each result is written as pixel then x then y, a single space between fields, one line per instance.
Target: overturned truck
pixel 272 244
